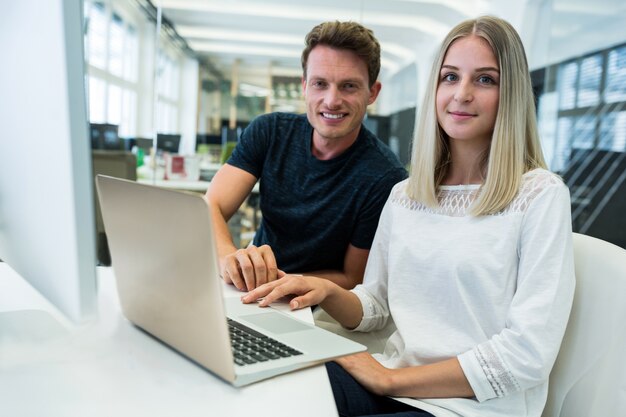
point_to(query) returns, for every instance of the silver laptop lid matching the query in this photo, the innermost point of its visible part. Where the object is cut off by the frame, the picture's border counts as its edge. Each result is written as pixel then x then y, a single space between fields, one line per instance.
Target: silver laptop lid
pixel 158 237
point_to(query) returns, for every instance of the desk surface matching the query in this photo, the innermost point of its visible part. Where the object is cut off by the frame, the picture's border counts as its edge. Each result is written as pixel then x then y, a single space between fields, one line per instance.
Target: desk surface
pixel 185 185
pixel 108 367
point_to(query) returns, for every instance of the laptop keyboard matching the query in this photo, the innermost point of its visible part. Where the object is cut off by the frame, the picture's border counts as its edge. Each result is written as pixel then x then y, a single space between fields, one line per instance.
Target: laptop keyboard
pixel 250 346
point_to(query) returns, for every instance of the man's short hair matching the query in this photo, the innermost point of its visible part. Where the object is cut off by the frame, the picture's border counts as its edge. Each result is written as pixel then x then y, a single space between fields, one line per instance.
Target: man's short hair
pixel 345 35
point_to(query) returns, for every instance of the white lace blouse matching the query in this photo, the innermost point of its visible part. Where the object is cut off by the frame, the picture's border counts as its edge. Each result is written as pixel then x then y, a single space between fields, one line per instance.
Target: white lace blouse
pixel 494 291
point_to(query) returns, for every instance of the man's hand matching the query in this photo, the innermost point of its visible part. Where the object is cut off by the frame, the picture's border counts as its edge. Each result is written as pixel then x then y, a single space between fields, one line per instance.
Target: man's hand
pixel 249 268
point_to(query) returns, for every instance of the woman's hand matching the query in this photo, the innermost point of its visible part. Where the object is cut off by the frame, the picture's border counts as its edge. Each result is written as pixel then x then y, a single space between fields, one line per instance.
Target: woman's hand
pixel 368 372
pixel 308 290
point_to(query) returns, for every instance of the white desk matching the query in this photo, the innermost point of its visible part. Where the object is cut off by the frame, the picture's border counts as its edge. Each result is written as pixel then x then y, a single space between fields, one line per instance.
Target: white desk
pixel 185 185
pixel 110 368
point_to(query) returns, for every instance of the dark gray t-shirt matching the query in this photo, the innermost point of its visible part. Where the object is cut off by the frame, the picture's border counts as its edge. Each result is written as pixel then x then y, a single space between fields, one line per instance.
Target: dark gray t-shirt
pixel 313 209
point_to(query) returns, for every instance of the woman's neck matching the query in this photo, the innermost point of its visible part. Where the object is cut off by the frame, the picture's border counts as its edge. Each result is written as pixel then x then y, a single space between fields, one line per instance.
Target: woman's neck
pixel 465 164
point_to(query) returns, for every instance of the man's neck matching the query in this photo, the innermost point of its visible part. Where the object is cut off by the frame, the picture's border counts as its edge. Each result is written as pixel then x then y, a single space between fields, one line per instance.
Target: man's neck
pixel 328 148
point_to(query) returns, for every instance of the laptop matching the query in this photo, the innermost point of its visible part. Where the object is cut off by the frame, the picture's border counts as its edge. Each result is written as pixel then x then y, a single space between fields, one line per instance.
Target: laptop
pixel 165 261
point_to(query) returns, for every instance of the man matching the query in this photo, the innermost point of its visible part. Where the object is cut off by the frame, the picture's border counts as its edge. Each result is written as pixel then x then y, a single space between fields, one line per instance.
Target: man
pixel 324 177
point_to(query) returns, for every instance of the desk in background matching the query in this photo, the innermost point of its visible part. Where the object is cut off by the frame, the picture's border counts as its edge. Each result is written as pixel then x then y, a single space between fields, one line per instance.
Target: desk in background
pixel 182 185
pixel 185 185
pixel 111 368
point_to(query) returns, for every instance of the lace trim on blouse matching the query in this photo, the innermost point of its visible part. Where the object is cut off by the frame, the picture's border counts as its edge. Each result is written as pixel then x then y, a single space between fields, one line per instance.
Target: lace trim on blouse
pixel 455 201
pixel 500 378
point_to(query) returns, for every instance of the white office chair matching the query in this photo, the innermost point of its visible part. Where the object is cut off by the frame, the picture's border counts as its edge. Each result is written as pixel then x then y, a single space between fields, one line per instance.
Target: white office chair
pixel 589 376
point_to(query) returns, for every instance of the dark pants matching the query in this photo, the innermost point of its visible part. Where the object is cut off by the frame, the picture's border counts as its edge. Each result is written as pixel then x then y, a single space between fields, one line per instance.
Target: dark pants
pixel 353 400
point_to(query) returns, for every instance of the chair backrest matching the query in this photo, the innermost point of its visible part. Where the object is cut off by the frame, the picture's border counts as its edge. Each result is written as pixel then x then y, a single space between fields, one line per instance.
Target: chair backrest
pixel 120 164
pixel 589 376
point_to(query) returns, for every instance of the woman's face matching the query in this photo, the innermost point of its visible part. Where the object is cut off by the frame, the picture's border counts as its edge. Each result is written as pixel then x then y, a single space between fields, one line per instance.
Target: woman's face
pixel 468 91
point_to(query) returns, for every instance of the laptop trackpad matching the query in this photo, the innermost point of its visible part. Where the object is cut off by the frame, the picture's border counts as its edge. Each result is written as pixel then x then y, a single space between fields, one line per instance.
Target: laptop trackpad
pixel 275 322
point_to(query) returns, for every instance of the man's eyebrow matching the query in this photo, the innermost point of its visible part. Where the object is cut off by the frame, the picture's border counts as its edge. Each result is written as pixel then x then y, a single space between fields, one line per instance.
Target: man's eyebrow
pixel 353 80
pixel 343 81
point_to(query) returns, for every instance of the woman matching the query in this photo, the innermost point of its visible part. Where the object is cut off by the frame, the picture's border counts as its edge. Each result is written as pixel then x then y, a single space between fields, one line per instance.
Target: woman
pixel 472 258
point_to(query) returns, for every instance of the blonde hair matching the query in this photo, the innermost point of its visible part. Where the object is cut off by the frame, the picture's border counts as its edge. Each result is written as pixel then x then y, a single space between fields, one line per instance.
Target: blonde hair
pixel 515 147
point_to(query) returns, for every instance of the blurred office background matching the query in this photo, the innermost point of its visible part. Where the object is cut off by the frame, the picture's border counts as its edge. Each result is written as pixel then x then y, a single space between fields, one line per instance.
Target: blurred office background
pixel 193 73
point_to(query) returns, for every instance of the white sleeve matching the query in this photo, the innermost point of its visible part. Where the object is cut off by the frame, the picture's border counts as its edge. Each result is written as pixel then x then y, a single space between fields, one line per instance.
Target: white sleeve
pixel 373 292
pixel 523 353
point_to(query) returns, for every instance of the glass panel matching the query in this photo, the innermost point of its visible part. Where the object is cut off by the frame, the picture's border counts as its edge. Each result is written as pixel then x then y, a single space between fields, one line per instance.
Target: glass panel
pixel 616 76
pixel 567 85
pixel 129 114
pixel 547 110
pixel 131 55
pixel 619 132
pixel 584 132
pixel 163 118
pixel 114 108
pixel 97 100
pixel 589 85
pixel 563 148
pixel 116 46
pixel 174 80
pixel 613 129
pixel 97 34
pixel 161 76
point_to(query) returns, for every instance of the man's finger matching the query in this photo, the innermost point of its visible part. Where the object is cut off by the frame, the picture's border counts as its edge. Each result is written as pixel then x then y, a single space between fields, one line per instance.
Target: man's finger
pixel 270 262
pixel 247 269
pixel 258 264
pixel 232 275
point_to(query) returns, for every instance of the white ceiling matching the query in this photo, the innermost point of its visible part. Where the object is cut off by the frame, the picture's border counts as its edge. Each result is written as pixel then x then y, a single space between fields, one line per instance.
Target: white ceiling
pixel 268 35
pixel 271 32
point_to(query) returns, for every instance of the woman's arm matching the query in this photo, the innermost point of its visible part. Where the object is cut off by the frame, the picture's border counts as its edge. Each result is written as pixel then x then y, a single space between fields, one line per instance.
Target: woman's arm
pixel 341 304
pixel 443 379
pixel 521 355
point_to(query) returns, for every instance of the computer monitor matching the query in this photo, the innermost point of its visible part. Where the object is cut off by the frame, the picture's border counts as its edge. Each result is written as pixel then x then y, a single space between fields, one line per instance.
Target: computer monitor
pixel 105 136
pixel 46 185
pixel 140 143
pixel 168 142
pixel 208 139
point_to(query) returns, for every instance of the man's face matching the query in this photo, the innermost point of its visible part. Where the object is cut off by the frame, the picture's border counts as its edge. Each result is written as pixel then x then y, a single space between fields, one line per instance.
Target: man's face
pixel 337 93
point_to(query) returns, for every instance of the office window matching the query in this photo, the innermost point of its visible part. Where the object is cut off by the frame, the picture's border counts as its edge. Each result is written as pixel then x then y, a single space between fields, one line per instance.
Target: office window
pixel 613 132
pixel 567 77
pixel 114 108
pixel 168 80
pixel 96 44
pixel 167 115
pixel 131 55
pixel 128 120
pixel 116 46
pixel 97 100
pixel 584 132
pixel 167 77
pixel 615 89
pixel 563 143
pixel 113 60
pixel 589 84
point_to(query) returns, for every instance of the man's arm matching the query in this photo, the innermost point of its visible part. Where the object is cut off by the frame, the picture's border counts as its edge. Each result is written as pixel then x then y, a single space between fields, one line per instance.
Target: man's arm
pixel 353 269
pixel 245 268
